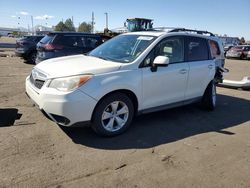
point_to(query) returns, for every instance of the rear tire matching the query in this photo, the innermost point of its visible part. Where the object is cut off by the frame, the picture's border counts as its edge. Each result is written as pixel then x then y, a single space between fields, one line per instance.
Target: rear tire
pixel 209 97
pixel 113 115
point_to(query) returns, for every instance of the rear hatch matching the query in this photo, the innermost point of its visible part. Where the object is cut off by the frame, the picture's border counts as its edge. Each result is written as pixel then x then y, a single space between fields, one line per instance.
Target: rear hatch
pixel 46 47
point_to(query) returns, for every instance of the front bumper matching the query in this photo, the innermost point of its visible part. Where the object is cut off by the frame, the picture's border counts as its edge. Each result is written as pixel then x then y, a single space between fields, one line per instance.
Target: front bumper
pixel 64 108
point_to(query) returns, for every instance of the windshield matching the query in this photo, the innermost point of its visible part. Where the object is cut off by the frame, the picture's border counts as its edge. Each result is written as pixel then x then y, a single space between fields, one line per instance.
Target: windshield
pixel 123 48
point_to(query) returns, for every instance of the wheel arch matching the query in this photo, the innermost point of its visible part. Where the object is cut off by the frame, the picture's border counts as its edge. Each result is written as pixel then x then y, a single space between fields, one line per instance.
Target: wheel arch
pixel 213 80
pixel 127 92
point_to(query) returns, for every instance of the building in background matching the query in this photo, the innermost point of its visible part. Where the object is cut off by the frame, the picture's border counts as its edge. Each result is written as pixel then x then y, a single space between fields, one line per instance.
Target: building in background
pixel 229 40
pixel 8 31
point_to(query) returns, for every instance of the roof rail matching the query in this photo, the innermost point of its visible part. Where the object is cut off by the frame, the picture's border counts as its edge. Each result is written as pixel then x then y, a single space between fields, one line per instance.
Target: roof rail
pixel 192 31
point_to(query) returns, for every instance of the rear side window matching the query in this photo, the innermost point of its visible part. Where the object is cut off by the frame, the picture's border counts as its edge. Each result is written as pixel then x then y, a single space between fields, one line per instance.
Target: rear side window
pixel 90 42
pixel 69 41
pixel 197 49
pixel 214 49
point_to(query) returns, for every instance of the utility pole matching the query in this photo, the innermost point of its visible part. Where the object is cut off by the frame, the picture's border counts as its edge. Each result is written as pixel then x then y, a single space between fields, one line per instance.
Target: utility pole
pixel 92 22
pixel 106 19
pixel 32 25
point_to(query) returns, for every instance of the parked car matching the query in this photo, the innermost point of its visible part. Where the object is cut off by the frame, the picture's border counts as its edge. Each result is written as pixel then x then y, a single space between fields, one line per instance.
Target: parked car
pixel 239 51
pixel 57 44
pixel 248 55
pixel 10 35
pixel 26 47
pixel 133 73
pixel 227 47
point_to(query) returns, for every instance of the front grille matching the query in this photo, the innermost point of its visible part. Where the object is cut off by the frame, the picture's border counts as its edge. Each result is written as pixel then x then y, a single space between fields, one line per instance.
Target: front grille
pixel 36 82
pixel 39 83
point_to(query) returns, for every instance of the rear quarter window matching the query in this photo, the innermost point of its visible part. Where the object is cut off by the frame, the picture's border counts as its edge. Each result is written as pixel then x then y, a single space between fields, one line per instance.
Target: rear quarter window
pixel 47 39
pixel 214 49
pixel 196 49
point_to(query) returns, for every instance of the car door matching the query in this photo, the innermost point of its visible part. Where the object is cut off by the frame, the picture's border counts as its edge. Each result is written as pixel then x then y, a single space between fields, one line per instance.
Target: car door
pixel 202 67
pixel 167 84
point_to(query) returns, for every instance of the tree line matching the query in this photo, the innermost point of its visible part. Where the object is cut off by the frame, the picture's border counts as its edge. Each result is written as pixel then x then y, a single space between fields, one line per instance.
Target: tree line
pixel 68 25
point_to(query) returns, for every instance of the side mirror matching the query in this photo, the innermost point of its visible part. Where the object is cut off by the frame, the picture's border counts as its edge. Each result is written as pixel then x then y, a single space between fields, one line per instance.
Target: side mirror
pixel 161 61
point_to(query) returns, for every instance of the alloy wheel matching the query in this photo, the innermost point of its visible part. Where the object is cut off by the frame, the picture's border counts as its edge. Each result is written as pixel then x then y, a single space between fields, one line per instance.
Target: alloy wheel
pixel 115 116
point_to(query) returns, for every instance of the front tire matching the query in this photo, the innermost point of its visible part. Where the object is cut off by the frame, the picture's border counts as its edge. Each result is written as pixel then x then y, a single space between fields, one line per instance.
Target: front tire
pixel 209 98
pixel 113 115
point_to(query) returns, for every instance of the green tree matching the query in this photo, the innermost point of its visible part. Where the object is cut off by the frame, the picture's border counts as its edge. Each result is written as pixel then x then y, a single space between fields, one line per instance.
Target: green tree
pixel 60 27
pixel 85 27
pixel 69 25
pixel 242 40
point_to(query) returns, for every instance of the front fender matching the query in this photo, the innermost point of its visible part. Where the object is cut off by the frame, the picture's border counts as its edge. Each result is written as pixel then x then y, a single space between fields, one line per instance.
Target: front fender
pixel 102 84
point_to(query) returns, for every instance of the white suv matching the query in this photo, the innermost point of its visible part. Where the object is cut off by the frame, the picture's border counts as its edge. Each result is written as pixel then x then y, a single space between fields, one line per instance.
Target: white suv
pixel 133 73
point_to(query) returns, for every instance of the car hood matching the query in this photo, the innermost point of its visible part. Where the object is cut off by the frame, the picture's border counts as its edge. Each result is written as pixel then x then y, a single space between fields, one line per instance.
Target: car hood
pixel 76 64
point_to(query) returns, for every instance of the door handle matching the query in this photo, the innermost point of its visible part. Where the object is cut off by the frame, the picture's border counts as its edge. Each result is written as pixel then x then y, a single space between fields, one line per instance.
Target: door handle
pixel 183 71
pixel 210 66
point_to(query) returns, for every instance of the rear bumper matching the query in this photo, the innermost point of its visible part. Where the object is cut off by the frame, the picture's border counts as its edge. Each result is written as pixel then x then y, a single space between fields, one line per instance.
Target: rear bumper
pixel 19 53
pixel 233 55
pixel 244 83
pixel 22 51
pixel 42 56
pixel 63 108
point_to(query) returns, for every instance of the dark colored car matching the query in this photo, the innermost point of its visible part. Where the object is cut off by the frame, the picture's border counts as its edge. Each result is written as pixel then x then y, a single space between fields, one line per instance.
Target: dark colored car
pixel 57 44
pixel 240 51
pixel 26 47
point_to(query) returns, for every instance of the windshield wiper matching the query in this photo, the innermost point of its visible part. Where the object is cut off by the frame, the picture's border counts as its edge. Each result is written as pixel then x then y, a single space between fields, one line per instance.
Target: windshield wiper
pixel 100 57
pixel 104 58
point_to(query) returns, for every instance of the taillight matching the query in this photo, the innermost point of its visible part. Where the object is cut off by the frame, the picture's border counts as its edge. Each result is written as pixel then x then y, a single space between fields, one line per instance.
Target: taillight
pixel 52 47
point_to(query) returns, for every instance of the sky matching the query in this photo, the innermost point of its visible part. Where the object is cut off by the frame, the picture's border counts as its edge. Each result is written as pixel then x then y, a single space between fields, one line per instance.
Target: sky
pixel 229 17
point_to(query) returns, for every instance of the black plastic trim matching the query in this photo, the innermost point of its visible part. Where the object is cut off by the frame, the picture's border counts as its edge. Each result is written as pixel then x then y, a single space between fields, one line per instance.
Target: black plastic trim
pixel 168 106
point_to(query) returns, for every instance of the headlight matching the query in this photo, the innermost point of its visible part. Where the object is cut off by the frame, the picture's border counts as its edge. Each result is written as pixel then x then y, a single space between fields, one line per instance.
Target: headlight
pixel 69 83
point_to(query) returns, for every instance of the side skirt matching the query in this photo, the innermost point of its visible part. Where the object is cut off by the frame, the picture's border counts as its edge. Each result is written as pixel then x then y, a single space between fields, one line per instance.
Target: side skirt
pixel 169 106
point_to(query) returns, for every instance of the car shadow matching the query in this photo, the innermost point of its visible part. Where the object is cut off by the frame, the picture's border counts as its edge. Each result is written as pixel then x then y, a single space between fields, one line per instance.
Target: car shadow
pixel 168 126
pixel 29 62
pixel 8 116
